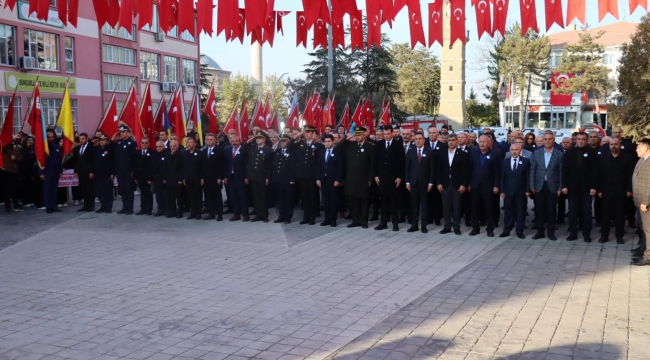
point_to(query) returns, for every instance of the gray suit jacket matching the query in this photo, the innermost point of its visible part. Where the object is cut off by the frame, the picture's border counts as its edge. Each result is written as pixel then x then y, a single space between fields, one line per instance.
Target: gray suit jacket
pixel 539 172
pixel 524 153
pixel 641 183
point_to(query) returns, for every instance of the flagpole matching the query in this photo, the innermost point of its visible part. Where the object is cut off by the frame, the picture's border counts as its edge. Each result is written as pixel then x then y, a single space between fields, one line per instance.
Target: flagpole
pixel 29 106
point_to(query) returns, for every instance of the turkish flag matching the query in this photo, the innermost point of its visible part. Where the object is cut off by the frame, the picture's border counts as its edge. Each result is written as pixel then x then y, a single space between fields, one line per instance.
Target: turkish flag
pixel 227 15
pixel 131 115
pixel 607 6
pixel 101 12
pixel 636 3
pixel 126 15
pixel 164 12
pixel 62 7
pixel 415 24
pixel 457 22
pixel 338 32
pixel 314 10
pixel 238 31
pixel 301 29
pixel 560 99
pixel 159 119
pixel 273 124
pixel 255 14
pixel 110 123
pixel 387 12
pixel 11 4
pixel 553 13
pixel 575 9
pixel 144 8
pixel 278 21
pixel 398 5
pixel 373 17
pixel 342 7
pixel 147 116
pixel 185 16
pixel 483 18
pixel 211 110
pixel 231 124
pixel 320 33
pixel 242 129
pixel 435 22
pixel 293 122
pixel 204 9
pixel 269 29
pixel 41 8
pixel 528 16
pixel 500 15
pixel 356 32
pixel 345 118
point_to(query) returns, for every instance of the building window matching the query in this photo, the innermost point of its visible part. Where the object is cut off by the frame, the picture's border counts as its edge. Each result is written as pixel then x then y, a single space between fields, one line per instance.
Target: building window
pixel 50 108
pixel 4 107
pixel 43 47
pixel 7 45
pixel 119 83
pixel 154 21
pixel 52 2
pixel 451 88
pixel 186 34
pixel 69 54
pixel 546 85
pixel 556 59
pixel 119 55
pixel 121 33
pixel 173 32
pixel 451 68
pixel 149 66
pixel 608 59
pixel 189 72
pixel 171 69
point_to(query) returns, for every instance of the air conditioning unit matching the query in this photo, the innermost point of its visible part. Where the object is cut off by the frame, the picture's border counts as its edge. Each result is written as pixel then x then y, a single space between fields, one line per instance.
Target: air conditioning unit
pixel 184 88
pixel 27 63
pixel 160 36
pixel 173 87
pixel 166 87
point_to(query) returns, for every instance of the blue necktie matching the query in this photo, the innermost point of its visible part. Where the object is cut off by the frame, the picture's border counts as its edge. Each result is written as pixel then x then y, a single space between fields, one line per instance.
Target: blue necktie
pixel 327 159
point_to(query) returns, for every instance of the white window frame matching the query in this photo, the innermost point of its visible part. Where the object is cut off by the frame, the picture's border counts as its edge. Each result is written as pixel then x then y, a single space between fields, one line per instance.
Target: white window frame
pixel 50 109
pixel 154 21
pixel 186 64
pixel 146 58
pixel 120 33
pixel 69 48
pixel 8 45
pixel 122 82
pixel 169 63
pixel 173 32
pixel 187 36
pixel 50 42
pixel 118 55
pixel 4 107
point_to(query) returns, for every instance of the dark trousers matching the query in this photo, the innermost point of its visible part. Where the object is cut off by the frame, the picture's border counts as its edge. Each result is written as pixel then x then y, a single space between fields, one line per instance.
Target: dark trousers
pixel 104 188
pixel 598 208
pixel 341 202
pixel 146 197
pixel 260 199
pixel 545 209
pixel 76 193
pixel 451 205
pixel 237 197
pixel 404 201
pixel 27 186
pixel 419 205
pixel 466 207
pixel 359 210
pixel 174 201
pixel 435 206
pixel 579 206
pixel 50 190
pixel 161 197
pixel 213 200
pixel 87 188
pixel 561 206
pixel 376 199
pixel 284 192
pixel 514 211
pixel 125 186
pixel 483 204
pixel 390 206
pixel 195 197
pixel 39 199
pixel 613 208
pixel 307 188
pixel 330 202
pixel 10 186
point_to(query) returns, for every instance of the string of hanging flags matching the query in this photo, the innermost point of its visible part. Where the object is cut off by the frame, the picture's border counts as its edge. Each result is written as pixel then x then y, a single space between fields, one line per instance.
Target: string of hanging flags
pixel 260 21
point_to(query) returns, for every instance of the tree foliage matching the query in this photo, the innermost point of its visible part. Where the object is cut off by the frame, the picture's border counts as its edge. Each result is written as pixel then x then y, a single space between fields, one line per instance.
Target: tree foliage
pixel 271 85
pixel 233 90
pixel 524 60
pixel 418 77
pixel 478 113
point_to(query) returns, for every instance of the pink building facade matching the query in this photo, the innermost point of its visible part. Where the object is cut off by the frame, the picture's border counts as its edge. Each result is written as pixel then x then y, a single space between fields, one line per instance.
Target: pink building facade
pixel 94 61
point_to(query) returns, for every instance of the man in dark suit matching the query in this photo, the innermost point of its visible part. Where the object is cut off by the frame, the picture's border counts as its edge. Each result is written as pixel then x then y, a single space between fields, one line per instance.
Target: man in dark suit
pixel 213 167
pixel 614 187
pixel 104 174
pixel 260 162
pixel 235 168
pixel 466 198
pixel 389 174
pixel 419 177
pixel 51 174
pixel 304 151
pixel 641 195
pixel 579 182
pixel 452 179
pixel 515 188
pixel 403 195
pixel 484 183
pixel 545 183
pixel 193 178
pixel 173 180
pixel 141 175
pixel 360 160
pixel 329 176
pixel 435 198
pixel 84 170
pixel 157 177
pixel 283 178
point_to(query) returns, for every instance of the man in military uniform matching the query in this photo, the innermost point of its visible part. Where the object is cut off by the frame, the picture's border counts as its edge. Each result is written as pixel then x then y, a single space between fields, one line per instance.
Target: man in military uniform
pixel 157 177
pixel 141 175
pixel 213 163
pixel 305 151
pixel 260 161
pixel 360 160
pixel 282 178
pixel 173 179
pixel 104 169
pixel 126 152
pixel 193 178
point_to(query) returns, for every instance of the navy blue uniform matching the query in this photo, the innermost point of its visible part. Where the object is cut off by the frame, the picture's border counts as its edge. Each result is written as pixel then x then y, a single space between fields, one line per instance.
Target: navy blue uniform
pixel 104 169
pixel 282 175
pixel 52 171
pixel 126 152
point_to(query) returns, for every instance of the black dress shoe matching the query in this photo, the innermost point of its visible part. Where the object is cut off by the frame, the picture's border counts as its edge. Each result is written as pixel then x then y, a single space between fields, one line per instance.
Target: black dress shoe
pixel 424 230
pixel 288 221
pixel 445 231
pixel 49 211
pixel 603 240
pixel 121 212
pixel 158 214
pixel 280 220
pixel 572 238
pixel 191 217
pixel 256 219
pixel 82 209
pixel 333 224
pixel 395 227
pixel 490 233
pixel 303 222
pixel 179 215
pixel 586 238
pixel 504 234
pixel 312 222
pixel 93 209
pixel 353 225
pixel 539 235
pixel 637 249
pixel 521 236
pixel 209 217
pixel 552 237
pixel 140 213
pixel 620 241
pixel 220 218
pixel 374 218
pixel 641 262
pixel 474 232
pixel 325 223
pixel 457 232
pixel 381 226
pixel 438 222
pixel 56 210
pixel 130 213
pixel 364 226
pixel 412 229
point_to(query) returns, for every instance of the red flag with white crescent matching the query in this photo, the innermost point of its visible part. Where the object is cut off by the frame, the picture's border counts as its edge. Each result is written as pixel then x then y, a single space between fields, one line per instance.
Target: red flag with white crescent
pixel 435 22
pixel 500 16
pixel 457 22
pixel 553 9
pixel 301 29
pixel 211 111
pixel 483 18
pixel 557 81
pixel 528 16
pixel 415 24
pixel 356 32
pixel 373 16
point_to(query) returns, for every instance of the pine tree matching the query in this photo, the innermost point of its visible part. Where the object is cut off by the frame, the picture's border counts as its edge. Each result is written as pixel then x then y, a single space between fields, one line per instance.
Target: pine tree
pixel 418 77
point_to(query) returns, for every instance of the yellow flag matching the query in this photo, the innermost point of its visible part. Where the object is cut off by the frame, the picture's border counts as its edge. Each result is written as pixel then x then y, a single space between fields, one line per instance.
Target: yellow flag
pixel 66 124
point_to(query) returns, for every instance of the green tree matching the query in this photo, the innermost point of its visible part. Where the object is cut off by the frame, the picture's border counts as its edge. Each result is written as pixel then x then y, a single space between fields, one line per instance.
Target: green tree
pixel 585 61
pixel 495 55
pixel 524 61
pixel 418 77
pixel 479 114
pixel 634 84
pixel 233 90
pixel 271 85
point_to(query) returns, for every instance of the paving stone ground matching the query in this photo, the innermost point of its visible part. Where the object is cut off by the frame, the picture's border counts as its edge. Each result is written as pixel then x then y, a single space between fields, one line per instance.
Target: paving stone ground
pixel 96 286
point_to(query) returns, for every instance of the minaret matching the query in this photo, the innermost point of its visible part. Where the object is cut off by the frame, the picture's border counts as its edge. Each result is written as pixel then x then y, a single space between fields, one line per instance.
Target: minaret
pixel 452 75
pixel 256 63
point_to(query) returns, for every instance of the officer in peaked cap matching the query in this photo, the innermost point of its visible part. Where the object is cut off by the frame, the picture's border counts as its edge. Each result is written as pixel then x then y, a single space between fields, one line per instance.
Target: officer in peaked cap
pixel 304 148
pixel 282 177
pixel 260 162
pixel 126 152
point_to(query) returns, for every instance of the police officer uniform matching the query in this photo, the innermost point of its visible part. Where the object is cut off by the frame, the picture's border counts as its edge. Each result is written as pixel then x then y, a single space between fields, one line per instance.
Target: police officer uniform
pixel 305 173
pixel 260 162
pixel 282 175
pixel 126 152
